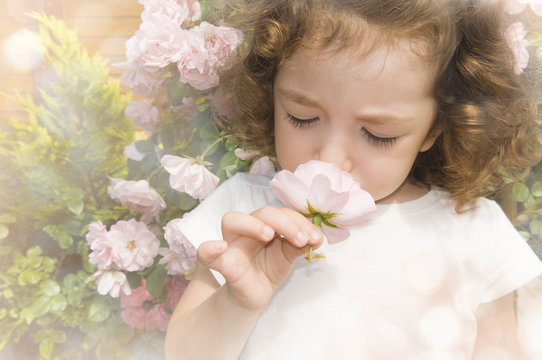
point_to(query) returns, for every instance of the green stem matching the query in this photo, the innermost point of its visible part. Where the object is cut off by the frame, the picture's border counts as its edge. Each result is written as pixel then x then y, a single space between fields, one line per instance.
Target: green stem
pixel 220 138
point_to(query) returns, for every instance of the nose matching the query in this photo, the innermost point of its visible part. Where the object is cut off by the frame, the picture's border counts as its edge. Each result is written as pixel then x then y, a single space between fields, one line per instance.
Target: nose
pixel 335 149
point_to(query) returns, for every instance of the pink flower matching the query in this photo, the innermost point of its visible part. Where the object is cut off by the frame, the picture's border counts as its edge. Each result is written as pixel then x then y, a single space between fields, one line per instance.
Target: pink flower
pixel 194 9
pixel 137 297
pixel 246 154
pixel 515 37
pixel 143 114
pixel 100 254
pixel 142 80
pixel 95 230
pixel 514 7
pixel 157 318
pixel 196 66
pixel 262 166
pixel 134 317
pixel 187 107
pixel 175 287
pixel 180 258
pixel 133 246
pixel 178 12
pixel 220 41
pixel 138 196
pixel 326 193
pixel 132 153
pixel 112 283
pixel 190 177
pixel 158 42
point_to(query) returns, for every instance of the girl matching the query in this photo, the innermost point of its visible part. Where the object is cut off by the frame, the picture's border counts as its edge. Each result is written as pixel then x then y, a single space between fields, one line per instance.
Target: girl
pixel 419 101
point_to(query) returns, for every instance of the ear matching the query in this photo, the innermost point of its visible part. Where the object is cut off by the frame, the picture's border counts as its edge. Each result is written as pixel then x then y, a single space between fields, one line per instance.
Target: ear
pixel 432 136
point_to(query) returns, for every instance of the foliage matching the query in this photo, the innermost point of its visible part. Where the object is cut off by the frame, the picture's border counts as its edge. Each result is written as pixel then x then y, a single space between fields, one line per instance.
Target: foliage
pixel 55 173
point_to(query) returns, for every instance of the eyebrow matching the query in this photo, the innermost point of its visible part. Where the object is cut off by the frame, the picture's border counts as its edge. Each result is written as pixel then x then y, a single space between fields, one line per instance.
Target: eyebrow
pixel 377 118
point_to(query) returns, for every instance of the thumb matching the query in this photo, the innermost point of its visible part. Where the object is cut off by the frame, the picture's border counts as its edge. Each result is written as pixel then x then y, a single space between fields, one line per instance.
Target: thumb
pixel 209 251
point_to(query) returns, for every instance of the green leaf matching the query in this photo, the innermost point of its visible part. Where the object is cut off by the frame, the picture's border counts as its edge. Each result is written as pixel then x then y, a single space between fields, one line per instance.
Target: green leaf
pixel 7 293
pixel 155 281
pixel 29 277
pixel 133 279
pixel 58 303
pixel 144 146
pixel 4 231
pixel 526 235
pixel 521 192
pixel 38 308
pixel 536 190
pixel 50 287
pixel 33 251
pixel 209 132
pixel 98 310
pixel 64 240
pixel 76 206
pixel 46 348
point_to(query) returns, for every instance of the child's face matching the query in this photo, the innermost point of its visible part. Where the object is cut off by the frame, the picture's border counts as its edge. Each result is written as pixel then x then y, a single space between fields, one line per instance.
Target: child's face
pixel 371 115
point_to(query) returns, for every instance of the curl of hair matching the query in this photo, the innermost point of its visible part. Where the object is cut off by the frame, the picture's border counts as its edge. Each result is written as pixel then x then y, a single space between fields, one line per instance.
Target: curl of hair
pixel 486 117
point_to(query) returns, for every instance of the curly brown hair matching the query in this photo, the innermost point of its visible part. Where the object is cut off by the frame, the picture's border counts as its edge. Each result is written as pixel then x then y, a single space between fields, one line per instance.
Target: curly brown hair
pixel 485 111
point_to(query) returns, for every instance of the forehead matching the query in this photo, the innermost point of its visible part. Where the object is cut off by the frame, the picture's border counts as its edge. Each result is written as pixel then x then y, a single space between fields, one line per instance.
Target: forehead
pixel 391 62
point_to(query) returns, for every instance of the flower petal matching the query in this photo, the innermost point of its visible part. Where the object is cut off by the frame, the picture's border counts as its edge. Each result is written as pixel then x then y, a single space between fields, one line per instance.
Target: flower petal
pixel 291 190
pixel 357 210
pixel 334 235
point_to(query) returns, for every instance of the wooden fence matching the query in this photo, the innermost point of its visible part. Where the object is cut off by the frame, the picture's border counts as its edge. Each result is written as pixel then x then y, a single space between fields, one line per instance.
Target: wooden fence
pixel 103 26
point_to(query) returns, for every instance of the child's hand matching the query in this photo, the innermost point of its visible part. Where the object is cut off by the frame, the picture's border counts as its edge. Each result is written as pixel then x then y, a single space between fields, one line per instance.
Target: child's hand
pixel 258 251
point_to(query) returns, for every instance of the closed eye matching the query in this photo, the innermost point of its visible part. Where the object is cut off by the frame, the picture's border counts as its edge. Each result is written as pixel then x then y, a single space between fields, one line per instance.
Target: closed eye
pixel 301 123
pixel 377 140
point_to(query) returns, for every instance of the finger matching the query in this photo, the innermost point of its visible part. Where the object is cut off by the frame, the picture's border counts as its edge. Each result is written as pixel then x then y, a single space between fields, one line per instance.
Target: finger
pixel 209 251
pixel 293 226
pixel 235 224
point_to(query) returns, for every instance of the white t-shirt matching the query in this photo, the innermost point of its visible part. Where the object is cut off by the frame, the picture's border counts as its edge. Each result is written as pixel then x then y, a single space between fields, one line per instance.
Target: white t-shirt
pixel 405 285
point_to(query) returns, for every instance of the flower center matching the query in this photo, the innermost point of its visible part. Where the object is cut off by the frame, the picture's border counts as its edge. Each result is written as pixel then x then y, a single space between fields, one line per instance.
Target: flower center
pixel 131 245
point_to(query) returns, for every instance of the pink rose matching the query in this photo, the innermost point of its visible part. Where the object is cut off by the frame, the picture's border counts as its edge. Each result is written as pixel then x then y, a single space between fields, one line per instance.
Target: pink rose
pixel 143 114
pixel 112 283
pixel 196 66
pixel 328 194
pixel 142 80
pixel 138 196
pixel 194 9
pixel 262 166
pixel 133 246
pixel 190 177
pixel 514 7
pixel 95 230
pixel 132 153
pixel 100 254
pixel 187 107
pixel 158 42
pixel 246 154
pixel 177 11
pixel 220 41
pixel 175 287
pixel 134 317
pixel 137 297
pixel 180 258
pixel 157 318
pixel 515 37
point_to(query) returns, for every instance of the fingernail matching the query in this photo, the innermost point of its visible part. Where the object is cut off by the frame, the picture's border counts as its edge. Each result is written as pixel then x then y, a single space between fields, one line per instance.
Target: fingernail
pixel 316 235
pixel 268 232
pixel 301 238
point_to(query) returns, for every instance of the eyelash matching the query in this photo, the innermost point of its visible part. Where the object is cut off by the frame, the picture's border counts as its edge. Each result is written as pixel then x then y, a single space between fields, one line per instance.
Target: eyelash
pixel 379 141
pixel 299 123
pixel 373 139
